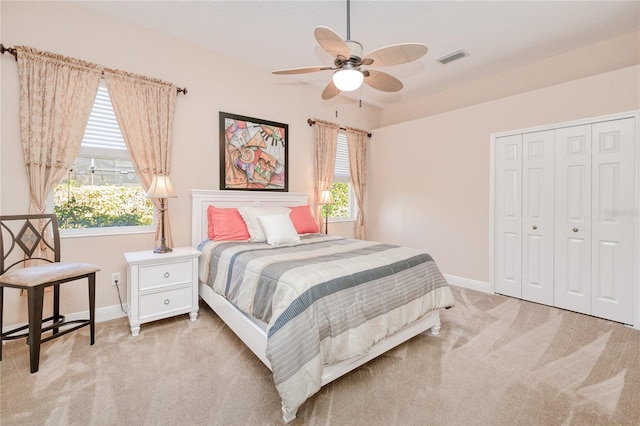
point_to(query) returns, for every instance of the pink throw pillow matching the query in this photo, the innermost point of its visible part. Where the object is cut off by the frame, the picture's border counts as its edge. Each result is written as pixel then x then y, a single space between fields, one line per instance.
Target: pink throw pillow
pixel 226 225
pixel 303 220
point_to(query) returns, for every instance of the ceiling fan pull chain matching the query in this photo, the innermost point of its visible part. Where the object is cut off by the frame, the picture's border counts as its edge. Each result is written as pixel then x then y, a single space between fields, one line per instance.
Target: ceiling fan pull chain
pixel 348 20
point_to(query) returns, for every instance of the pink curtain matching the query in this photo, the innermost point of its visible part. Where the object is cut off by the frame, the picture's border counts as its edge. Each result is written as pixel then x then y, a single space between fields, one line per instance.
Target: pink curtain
pixel 144 108
pixel 56 98
pixel 325 142
pixel 357 145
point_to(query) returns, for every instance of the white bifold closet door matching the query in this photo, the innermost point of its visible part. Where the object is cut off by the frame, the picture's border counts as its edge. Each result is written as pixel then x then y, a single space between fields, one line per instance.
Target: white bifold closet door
pixel 573 218
pixel 612 220
pixel 508 216
pixel 564 217
pixel 538 216
pixel 594 219
pixel 524 216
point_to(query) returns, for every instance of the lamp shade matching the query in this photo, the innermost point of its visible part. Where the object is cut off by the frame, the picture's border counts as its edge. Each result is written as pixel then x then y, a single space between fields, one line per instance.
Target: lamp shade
pixel 348 79
pixel 161 187
pixel 326 197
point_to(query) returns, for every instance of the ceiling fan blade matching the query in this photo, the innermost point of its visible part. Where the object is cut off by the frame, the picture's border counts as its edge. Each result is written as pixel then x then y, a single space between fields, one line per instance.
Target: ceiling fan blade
pixel 302 70
pixel 331 42
pixel 395 54
pixel 330 91
pixel 382 81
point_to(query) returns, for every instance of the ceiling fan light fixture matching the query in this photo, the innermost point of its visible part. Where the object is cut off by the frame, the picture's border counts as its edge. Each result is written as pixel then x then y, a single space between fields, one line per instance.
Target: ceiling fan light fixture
pixel 348 60
pixel 348 79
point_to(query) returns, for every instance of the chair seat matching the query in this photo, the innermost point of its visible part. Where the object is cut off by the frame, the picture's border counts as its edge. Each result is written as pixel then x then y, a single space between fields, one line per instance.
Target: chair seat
pixel 50 272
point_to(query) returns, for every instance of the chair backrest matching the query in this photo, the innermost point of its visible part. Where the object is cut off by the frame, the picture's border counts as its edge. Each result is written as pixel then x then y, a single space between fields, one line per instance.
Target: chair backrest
pixel 28 239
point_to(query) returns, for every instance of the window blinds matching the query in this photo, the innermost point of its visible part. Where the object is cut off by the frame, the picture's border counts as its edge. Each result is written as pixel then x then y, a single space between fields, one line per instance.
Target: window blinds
pixel 341 169
pixel 102 136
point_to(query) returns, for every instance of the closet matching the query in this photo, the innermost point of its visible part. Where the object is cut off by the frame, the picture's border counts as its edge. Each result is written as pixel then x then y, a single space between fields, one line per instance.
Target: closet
pixel 564 219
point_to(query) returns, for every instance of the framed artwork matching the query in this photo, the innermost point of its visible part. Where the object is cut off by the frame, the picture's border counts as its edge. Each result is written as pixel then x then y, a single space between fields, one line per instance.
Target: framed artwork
pixel 253 154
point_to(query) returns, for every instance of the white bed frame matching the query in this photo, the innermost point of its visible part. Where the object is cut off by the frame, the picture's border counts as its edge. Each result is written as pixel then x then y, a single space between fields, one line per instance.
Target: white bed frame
pixel 248 331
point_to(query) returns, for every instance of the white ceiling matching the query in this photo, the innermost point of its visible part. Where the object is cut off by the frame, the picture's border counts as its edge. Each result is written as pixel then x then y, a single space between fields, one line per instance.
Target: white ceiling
pixel 497 35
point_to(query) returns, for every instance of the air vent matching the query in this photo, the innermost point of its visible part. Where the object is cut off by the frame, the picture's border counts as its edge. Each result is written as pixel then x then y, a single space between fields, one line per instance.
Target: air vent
pixel 453 56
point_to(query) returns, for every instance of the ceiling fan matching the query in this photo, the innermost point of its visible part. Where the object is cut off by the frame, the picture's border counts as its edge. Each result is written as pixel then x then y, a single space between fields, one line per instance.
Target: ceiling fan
pixel 348 73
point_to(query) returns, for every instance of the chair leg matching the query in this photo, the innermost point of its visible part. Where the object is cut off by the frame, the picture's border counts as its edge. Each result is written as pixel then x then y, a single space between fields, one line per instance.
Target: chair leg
pixel 56 306
pixel 35 296
pixel 1 316
pixel 92 306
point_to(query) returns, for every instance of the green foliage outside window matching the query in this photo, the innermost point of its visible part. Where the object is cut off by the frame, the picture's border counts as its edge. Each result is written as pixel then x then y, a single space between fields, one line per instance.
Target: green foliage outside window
pixel 89 206
pixel 340 206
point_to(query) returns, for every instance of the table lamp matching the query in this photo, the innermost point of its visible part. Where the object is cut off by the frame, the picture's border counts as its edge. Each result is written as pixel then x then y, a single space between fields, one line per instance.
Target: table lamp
pixel 161 188
pixel 325 200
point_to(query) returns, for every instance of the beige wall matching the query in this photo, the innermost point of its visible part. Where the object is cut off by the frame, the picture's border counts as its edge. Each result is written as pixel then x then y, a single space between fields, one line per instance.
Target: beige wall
pixel 215 83
pixel 616 53
pixel 429 181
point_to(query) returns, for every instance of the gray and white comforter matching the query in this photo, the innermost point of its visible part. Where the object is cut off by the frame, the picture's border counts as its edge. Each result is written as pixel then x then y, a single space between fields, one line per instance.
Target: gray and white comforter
pixel 324 299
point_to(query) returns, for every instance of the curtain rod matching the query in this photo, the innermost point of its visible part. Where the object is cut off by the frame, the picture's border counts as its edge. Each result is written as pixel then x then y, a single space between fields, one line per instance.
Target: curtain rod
pixel 312 122
pixel 14 52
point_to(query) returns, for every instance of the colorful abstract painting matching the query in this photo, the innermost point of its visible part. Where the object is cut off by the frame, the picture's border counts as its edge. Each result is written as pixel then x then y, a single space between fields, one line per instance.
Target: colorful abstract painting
pixel 253 153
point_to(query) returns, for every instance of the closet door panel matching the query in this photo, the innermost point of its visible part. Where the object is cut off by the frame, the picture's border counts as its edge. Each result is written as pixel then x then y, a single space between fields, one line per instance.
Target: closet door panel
pixel 613 175
pixel 538 216
pixel 572 272
pixel 508 216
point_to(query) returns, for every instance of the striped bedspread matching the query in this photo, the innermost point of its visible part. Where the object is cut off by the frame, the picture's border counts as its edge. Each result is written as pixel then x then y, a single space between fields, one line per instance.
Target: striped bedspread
pixel 324 299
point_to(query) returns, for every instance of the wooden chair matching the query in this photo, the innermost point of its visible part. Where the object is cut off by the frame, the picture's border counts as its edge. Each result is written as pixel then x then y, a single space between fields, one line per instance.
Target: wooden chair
pixel 30 248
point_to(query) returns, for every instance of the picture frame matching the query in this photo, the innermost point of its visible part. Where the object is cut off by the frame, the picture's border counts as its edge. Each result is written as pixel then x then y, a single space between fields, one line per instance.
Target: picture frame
pixel 254 154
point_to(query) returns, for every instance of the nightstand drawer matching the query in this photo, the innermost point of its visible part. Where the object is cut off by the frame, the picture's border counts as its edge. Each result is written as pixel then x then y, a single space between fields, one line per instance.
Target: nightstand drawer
pixel 166 274
pixel 163 302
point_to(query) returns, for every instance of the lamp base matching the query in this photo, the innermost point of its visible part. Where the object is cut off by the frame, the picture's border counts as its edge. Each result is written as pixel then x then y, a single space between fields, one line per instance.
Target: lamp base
pixel 326 221
pixel 163 248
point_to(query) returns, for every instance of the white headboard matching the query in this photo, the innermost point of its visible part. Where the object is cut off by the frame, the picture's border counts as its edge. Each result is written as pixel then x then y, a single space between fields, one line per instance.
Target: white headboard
pixel 202 198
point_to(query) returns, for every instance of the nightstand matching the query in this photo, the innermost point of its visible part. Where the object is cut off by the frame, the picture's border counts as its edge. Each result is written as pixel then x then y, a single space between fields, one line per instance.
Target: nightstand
pixel 161 285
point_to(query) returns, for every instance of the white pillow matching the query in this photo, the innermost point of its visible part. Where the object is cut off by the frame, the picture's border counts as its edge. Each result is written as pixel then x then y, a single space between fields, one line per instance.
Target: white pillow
pixel 278 229
pixel 250 216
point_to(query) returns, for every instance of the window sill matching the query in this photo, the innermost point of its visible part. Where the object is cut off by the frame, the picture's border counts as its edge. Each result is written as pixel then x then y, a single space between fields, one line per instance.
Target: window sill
pixel 341 220
pixel 101 232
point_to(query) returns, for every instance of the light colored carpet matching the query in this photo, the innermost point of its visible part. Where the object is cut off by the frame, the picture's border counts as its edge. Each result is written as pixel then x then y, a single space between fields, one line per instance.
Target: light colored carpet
pixel 497 361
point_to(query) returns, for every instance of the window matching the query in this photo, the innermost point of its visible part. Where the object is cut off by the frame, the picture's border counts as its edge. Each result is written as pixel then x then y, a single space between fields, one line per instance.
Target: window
pixel 101 190
pixel 341 191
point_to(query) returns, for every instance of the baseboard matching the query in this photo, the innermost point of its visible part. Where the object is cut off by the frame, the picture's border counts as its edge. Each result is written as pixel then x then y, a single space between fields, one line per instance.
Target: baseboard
pixel 468 283
pixel 102 314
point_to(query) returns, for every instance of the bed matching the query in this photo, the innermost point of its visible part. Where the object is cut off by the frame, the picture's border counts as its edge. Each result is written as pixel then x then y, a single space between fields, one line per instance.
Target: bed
pixel 293 330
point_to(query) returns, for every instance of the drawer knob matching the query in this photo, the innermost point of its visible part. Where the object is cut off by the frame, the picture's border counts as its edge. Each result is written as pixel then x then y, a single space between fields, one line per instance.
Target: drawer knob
pixel 575 230
pixel 167 275
pixel 167 301
pixel 534 227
